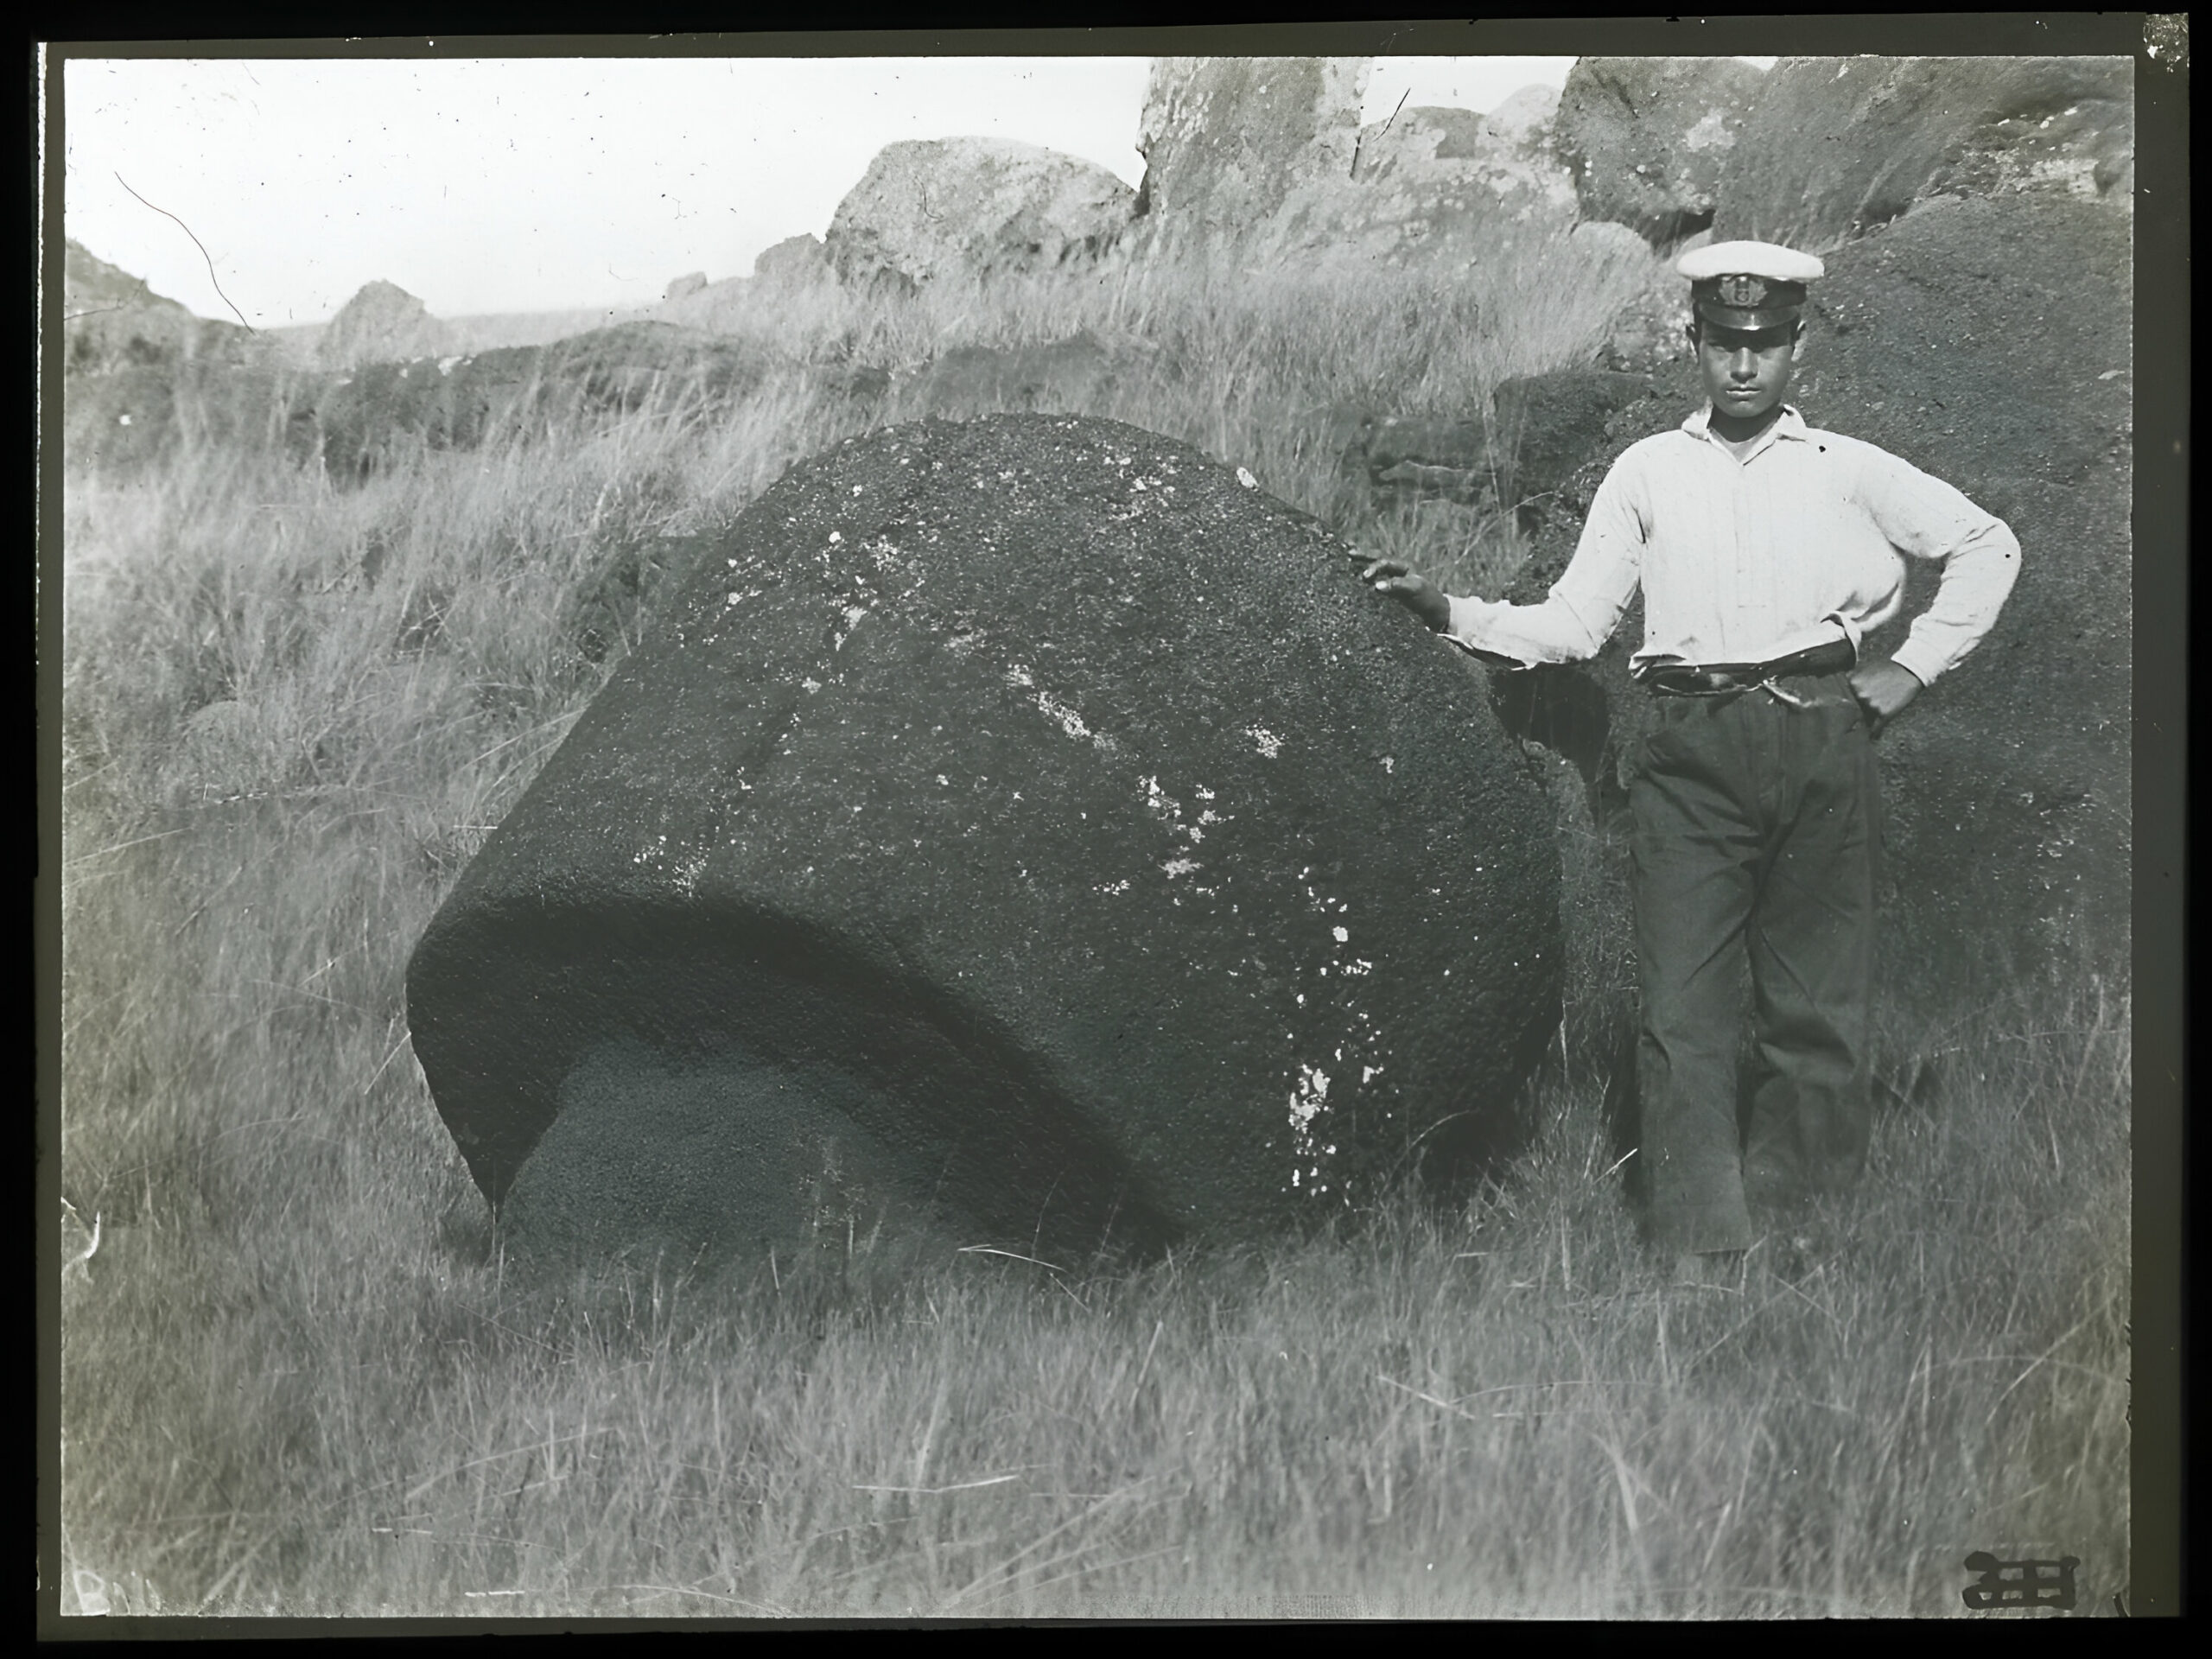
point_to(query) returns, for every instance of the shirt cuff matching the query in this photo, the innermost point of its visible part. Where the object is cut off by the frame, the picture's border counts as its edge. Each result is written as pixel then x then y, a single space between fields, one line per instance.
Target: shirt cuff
pixel 1921 664
pixel 1466 631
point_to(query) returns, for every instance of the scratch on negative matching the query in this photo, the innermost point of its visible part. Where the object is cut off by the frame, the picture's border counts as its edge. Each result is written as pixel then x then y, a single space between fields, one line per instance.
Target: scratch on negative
pixel 196 243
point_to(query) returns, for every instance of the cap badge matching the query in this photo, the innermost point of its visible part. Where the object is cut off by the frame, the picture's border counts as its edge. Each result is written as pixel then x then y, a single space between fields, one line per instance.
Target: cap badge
pixel 1745 292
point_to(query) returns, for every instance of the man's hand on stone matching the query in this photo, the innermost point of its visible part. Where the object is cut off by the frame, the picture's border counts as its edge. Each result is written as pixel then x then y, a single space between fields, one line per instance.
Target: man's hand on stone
pixel 1882 690
pixel 1411 589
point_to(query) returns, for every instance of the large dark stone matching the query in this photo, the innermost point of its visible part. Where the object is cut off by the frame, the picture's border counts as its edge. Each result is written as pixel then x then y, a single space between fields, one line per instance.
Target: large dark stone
pixel 1989 343
pixel 1083 370
pixel 1837 146
pixel 1034 824
pixel 1548 425
pixel 368 418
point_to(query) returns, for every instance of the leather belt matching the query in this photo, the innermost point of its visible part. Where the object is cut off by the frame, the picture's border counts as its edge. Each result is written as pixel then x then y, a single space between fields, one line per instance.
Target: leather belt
pixel 1683 680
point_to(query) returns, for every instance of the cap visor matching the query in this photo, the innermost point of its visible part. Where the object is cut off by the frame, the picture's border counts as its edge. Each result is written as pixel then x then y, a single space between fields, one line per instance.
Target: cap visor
pixel 1749 319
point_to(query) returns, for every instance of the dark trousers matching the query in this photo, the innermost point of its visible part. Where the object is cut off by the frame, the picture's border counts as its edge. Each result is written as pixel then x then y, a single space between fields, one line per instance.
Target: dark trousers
pixel 1757 830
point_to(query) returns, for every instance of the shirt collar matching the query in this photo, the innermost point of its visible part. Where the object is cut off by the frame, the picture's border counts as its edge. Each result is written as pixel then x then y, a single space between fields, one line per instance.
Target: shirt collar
pixel 1790 425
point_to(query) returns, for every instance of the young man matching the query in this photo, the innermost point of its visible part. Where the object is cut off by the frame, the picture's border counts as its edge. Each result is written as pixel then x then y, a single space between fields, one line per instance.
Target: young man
pixel 1765 551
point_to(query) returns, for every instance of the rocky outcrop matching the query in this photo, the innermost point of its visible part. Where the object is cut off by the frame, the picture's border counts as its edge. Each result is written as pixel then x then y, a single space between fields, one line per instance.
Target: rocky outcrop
pixel 794 262
pixel 2009 785
pixel 1227 141
pixel 1836 146
pixel 963 842
pixel 683 287
pixel 383 323
pixel 1528 118
pixel 1432 184
pixel 142 375
pixel 111 320
pixel 1263 160
pixel 1647 139
pixel 974 207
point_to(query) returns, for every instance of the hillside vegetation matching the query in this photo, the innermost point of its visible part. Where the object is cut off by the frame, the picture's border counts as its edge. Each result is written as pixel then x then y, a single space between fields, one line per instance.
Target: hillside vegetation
pixel 300 1375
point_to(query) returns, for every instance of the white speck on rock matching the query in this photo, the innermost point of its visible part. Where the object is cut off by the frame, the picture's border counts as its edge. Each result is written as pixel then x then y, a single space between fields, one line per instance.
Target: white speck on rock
pixel 1342 936
pixel 1270 745
pixel 1245 477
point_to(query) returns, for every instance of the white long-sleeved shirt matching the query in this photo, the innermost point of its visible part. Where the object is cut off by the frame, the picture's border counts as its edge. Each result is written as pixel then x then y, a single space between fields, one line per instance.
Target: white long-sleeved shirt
pixel 1744 562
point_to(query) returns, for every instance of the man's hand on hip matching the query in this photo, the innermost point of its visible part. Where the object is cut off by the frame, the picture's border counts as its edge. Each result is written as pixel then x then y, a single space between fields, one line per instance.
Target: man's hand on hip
pixel 1411 589
pixel 1883 689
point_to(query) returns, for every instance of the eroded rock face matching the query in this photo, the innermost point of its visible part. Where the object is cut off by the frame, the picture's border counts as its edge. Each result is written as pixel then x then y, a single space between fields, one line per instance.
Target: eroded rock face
pixel 974 207
pixel 1836 146
pixel 1264 161
pixel 1648 138
pixel 795 262
pixel 1019 827
pixel 1433 184
pixel 1226 141
pixel 682 287
pixel 2009 785
pixel 383 323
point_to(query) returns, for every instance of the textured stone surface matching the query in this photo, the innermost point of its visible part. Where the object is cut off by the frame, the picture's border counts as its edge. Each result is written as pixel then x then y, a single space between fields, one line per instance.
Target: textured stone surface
pixel 974 206
pixel 1545 427
pixel 1226 141
pixel 1433 184
pixel 1648 138
pixel 1037 817
pixel 1521 451
pixel 683 287
pixel 383 323
pixel 1988 342
pixel 1833 147
pixel 1263 159
pixel 797 260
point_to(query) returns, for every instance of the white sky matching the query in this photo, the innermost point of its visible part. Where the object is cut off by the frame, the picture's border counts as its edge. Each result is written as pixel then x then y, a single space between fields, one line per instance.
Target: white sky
pixel 495 185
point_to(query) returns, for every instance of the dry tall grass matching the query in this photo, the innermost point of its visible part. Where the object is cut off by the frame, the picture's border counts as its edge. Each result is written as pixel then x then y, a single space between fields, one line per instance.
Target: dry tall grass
pixel 300 1377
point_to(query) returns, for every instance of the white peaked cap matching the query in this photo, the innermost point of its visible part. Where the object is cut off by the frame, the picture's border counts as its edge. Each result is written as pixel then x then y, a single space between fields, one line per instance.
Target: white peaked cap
pixel 1775 264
